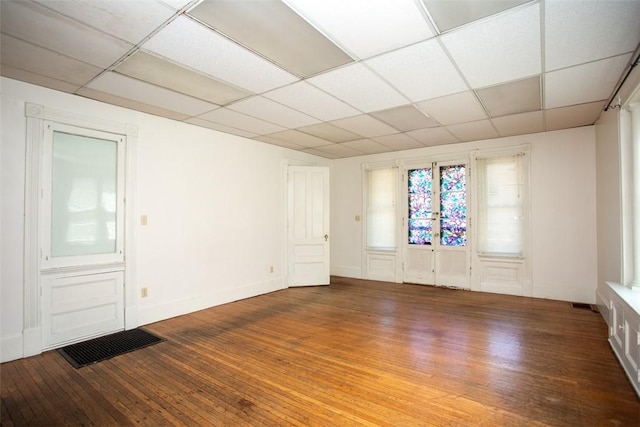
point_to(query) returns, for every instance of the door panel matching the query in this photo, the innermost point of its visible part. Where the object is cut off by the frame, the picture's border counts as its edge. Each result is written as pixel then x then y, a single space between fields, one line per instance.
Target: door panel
pixel 308 226
pixel 436 251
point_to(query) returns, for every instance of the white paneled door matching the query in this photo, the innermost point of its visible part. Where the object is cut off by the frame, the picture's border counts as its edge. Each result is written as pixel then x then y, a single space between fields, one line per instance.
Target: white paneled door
pixel 436 247
pixel 308 225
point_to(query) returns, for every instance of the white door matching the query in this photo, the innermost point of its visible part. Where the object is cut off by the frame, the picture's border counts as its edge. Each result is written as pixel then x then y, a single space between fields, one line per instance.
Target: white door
pixel 82 234
pixel 308 225
pixel 435 225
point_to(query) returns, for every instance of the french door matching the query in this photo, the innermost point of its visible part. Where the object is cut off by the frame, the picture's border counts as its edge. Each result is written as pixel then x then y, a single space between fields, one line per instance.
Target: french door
pixel 435 225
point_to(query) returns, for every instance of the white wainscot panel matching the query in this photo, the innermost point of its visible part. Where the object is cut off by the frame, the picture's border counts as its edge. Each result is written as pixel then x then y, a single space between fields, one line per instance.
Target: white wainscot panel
pixel 75 307
pixel 382 266
pixel 501 276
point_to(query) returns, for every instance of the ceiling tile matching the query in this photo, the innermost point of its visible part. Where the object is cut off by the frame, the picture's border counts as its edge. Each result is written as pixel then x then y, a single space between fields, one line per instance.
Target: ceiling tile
pixel 299 138
pixel 40 26
pixel 37 79
pixel 312 101
pixel 217 126
pixel 405 118
pixel 473 131
pixel 583 31
pixel 178 4
pixel 574 116
pixel 187 42
pixel 365 125
pixel 432 136
pixel 502 48
pixel 398 141
pixel 26 56
pixel 367 146
pixel 520 124
pixel 164 73
pixel 275 31
pixel 452 14
pixel 137 90
pixel 584 83
pixel 512 98
pixel 278 142
pixel 360 87
pixel 128 20
pixel 273 112
pixel 421 71
pixel 458 108
pixel 129 103
pixel 329 132
pixel 320 153
pixel 366 27
pixel 236 120
pixel 339 150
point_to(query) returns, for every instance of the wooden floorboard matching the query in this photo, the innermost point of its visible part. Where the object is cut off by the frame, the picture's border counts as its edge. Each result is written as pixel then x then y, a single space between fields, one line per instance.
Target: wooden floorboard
pixel 354 353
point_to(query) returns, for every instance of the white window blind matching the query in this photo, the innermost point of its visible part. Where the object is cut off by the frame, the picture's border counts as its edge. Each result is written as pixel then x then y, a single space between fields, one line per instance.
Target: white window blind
pixel 381 208
pixel 500 205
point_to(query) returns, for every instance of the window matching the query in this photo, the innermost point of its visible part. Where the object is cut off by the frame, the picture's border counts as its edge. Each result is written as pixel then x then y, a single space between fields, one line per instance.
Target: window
pixel 501 195
pixel 381 213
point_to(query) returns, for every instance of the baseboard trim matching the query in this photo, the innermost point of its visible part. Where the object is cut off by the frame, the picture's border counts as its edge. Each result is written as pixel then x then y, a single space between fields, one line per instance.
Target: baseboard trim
pixel 351 272
pixel 11 348
pixel 151 314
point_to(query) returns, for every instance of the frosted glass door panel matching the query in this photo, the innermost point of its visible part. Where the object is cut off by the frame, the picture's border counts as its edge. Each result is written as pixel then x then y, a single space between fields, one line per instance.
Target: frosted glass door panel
pixel 84 195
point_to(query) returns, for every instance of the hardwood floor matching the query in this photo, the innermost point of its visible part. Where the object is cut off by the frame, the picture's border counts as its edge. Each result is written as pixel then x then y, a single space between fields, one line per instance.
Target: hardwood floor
pixel 354 353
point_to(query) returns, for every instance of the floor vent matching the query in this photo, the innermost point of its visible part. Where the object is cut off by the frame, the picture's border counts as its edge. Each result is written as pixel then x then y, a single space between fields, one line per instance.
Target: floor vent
pixel 585 306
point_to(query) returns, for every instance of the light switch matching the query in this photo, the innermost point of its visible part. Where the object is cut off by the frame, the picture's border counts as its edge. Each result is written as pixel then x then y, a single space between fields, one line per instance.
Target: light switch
pixel 143 220
pixel 357 218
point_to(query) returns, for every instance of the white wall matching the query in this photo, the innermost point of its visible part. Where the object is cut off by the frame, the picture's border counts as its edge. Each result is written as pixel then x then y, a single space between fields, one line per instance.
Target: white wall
pixel 563 209
pixel 215 207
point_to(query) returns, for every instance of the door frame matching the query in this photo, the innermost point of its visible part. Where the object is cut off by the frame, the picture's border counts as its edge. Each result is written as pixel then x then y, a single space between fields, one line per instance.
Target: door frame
pixel 434 162
pixel 36 115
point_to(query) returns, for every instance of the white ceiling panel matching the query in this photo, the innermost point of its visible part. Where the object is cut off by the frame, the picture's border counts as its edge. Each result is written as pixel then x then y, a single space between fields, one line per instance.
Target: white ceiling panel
pixel 273 141
pixel 130 103
pixel 451 14
pixel 432 136
pixel 40 26
pixel 178 4
pixel 360 87
pixel 512 98
pixel 236 120
pixel 217 126
pixel 405 118
pixel 584 83
pixel 574 116
pixel 37 79
pixel 312 101
pixel 422 71
pixel 340 150
pixel 398 141
pixel 22 55
pixel 473 131
pixel 583 31
pixel 520 124
pixel 367 146
pixel 299 138
pixel 273 112
pixel 195 46
pixel 320 153
pixel 128 20
pixel 366 27
pixel 458 108
pixel 498 49
pixel 137 90
pixel 330 132
pixel 365 125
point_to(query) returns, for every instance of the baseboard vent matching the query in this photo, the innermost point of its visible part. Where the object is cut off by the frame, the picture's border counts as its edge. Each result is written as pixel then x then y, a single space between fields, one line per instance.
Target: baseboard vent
pixel 585 306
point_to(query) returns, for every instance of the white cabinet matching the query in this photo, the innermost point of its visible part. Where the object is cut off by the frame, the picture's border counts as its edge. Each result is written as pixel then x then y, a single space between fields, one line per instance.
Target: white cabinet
pixel 624 329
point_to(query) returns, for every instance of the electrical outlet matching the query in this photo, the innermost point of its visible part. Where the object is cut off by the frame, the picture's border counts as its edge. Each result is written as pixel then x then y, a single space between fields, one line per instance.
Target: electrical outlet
pixel 144 292
pixel 144 220
pixel 271 269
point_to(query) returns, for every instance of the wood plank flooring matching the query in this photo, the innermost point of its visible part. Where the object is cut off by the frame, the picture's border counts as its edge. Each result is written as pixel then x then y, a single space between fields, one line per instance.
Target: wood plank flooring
pixel 354 353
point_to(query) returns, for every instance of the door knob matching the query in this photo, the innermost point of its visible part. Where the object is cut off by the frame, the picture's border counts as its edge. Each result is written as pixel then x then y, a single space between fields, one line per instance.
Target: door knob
pixel 326 237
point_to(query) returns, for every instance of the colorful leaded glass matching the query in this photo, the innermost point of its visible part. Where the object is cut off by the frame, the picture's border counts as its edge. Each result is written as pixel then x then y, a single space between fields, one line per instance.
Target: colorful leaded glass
pixel 453 205
pixel 420 227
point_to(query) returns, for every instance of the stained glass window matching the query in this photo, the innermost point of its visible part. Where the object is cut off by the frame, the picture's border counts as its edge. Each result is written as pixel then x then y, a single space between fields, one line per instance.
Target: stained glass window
pixel 453 205
pixel 420 228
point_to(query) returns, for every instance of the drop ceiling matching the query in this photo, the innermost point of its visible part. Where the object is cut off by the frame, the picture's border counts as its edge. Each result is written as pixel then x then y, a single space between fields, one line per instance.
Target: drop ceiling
pixel 334 78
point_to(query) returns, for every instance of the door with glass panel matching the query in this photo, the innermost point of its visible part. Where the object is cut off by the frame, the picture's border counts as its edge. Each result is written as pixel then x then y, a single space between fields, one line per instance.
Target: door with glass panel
pixel 436 247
